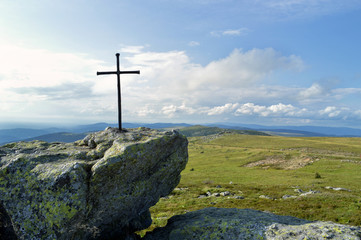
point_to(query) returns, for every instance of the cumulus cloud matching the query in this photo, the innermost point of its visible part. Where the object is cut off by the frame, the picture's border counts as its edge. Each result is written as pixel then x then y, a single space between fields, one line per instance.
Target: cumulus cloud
pixel 251 108
pixel 170 86
pixel 242 68
pixel 170 110
pixel 330 111
pixel 223 109
pixel 171 75
pixel 177 86
pixel 279 109
pixel 316 92
pixel 230 110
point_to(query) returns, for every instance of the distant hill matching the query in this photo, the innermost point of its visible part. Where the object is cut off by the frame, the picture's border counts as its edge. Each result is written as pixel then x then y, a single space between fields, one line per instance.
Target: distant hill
pixel 292 133
pixel 17 134
pixel 198 130
pixel 296 131
pixel 76 132
pixel 68 134
pixel 191 131
pixel 59 137
pixel 101 126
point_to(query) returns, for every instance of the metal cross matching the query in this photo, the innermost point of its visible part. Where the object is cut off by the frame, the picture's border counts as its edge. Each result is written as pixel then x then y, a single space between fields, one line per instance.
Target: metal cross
pixel 118 72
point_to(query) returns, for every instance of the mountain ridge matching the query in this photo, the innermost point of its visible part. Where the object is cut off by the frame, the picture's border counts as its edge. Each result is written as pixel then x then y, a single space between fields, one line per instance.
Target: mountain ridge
pixel 77 132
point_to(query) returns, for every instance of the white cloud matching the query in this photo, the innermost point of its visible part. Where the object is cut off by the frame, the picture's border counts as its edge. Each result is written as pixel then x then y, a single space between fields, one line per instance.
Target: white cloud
pixel 21 67
pixel 170 110
pixel 223 109
pixel 171 76
pixel 242 69
pixel 342 92
pixel 145 111
pixel 170 86
pixel 44 85
pixel 330 111
pixel 250 109
pixel 231 32
pixel 314 93
pixel 279 109
pixel 357 114
pixel 282 108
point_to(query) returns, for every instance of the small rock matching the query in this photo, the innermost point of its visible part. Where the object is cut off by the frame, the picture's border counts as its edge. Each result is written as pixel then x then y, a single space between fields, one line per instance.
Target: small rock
pixel 288 196
pixel 202 196
pixel 230 182
pixel 338 189
pixel 266 197
pixel 226 193
pixel 218 186
pixel 297 190
pixel 216 194
pixel 238 197
pixel 341 189
pixel 92 144
pixel 309 192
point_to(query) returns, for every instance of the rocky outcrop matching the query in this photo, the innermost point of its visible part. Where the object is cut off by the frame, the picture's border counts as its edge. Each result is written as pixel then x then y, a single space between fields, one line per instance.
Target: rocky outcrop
pixel 221 223
pixel 100 187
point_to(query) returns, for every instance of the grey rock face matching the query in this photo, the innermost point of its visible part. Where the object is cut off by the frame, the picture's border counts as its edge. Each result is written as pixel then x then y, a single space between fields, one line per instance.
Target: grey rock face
pixel 96 188
pixel 232 224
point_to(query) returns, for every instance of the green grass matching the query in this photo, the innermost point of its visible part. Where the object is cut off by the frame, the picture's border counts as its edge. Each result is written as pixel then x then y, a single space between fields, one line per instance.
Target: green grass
pixel 224 159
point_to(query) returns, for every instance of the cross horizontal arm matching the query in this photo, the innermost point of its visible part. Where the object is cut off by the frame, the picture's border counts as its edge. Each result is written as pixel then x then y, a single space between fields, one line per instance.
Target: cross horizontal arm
pixel 129 72
pixel 104 73
pixel 120 72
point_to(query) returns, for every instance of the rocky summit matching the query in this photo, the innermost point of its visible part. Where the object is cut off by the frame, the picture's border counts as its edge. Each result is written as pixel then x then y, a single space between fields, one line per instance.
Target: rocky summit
pixel 100 187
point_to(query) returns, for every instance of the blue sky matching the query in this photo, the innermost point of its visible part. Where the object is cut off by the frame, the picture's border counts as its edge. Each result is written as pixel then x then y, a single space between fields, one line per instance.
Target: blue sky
pixel 276 62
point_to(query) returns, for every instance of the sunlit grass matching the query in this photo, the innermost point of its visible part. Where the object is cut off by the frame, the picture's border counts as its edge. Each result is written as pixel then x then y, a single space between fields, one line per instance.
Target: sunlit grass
pixel 222 162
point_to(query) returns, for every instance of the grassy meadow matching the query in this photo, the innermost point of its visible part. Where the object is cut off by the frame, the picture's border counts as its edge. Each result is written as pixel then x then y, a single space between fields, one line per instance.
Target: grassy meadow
pixel 249 166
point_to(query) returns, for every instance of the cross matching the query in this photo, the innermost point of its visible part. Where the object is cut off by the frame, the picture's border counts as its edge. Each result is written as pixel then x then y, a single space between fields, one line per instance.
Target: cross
pixel 118 72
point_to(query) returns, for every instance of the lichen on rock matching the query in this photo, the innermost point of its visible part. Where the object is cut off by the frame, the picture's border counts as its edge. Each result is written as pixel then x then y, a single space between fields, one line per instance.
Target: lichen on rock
pixel 98 187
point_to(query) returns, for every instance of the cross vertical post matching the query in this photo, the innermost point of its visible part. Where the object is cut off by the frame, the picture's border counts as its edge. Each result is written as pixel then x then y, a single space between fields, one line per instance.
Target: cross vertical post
pixel 119 95
pixel 118 72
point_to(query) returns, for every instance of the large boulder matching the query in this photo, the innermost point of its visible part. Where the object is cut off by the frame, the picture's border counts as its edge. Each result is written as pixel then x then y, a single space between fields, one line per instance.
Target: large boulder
pixel 241 224
pixel 100 187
